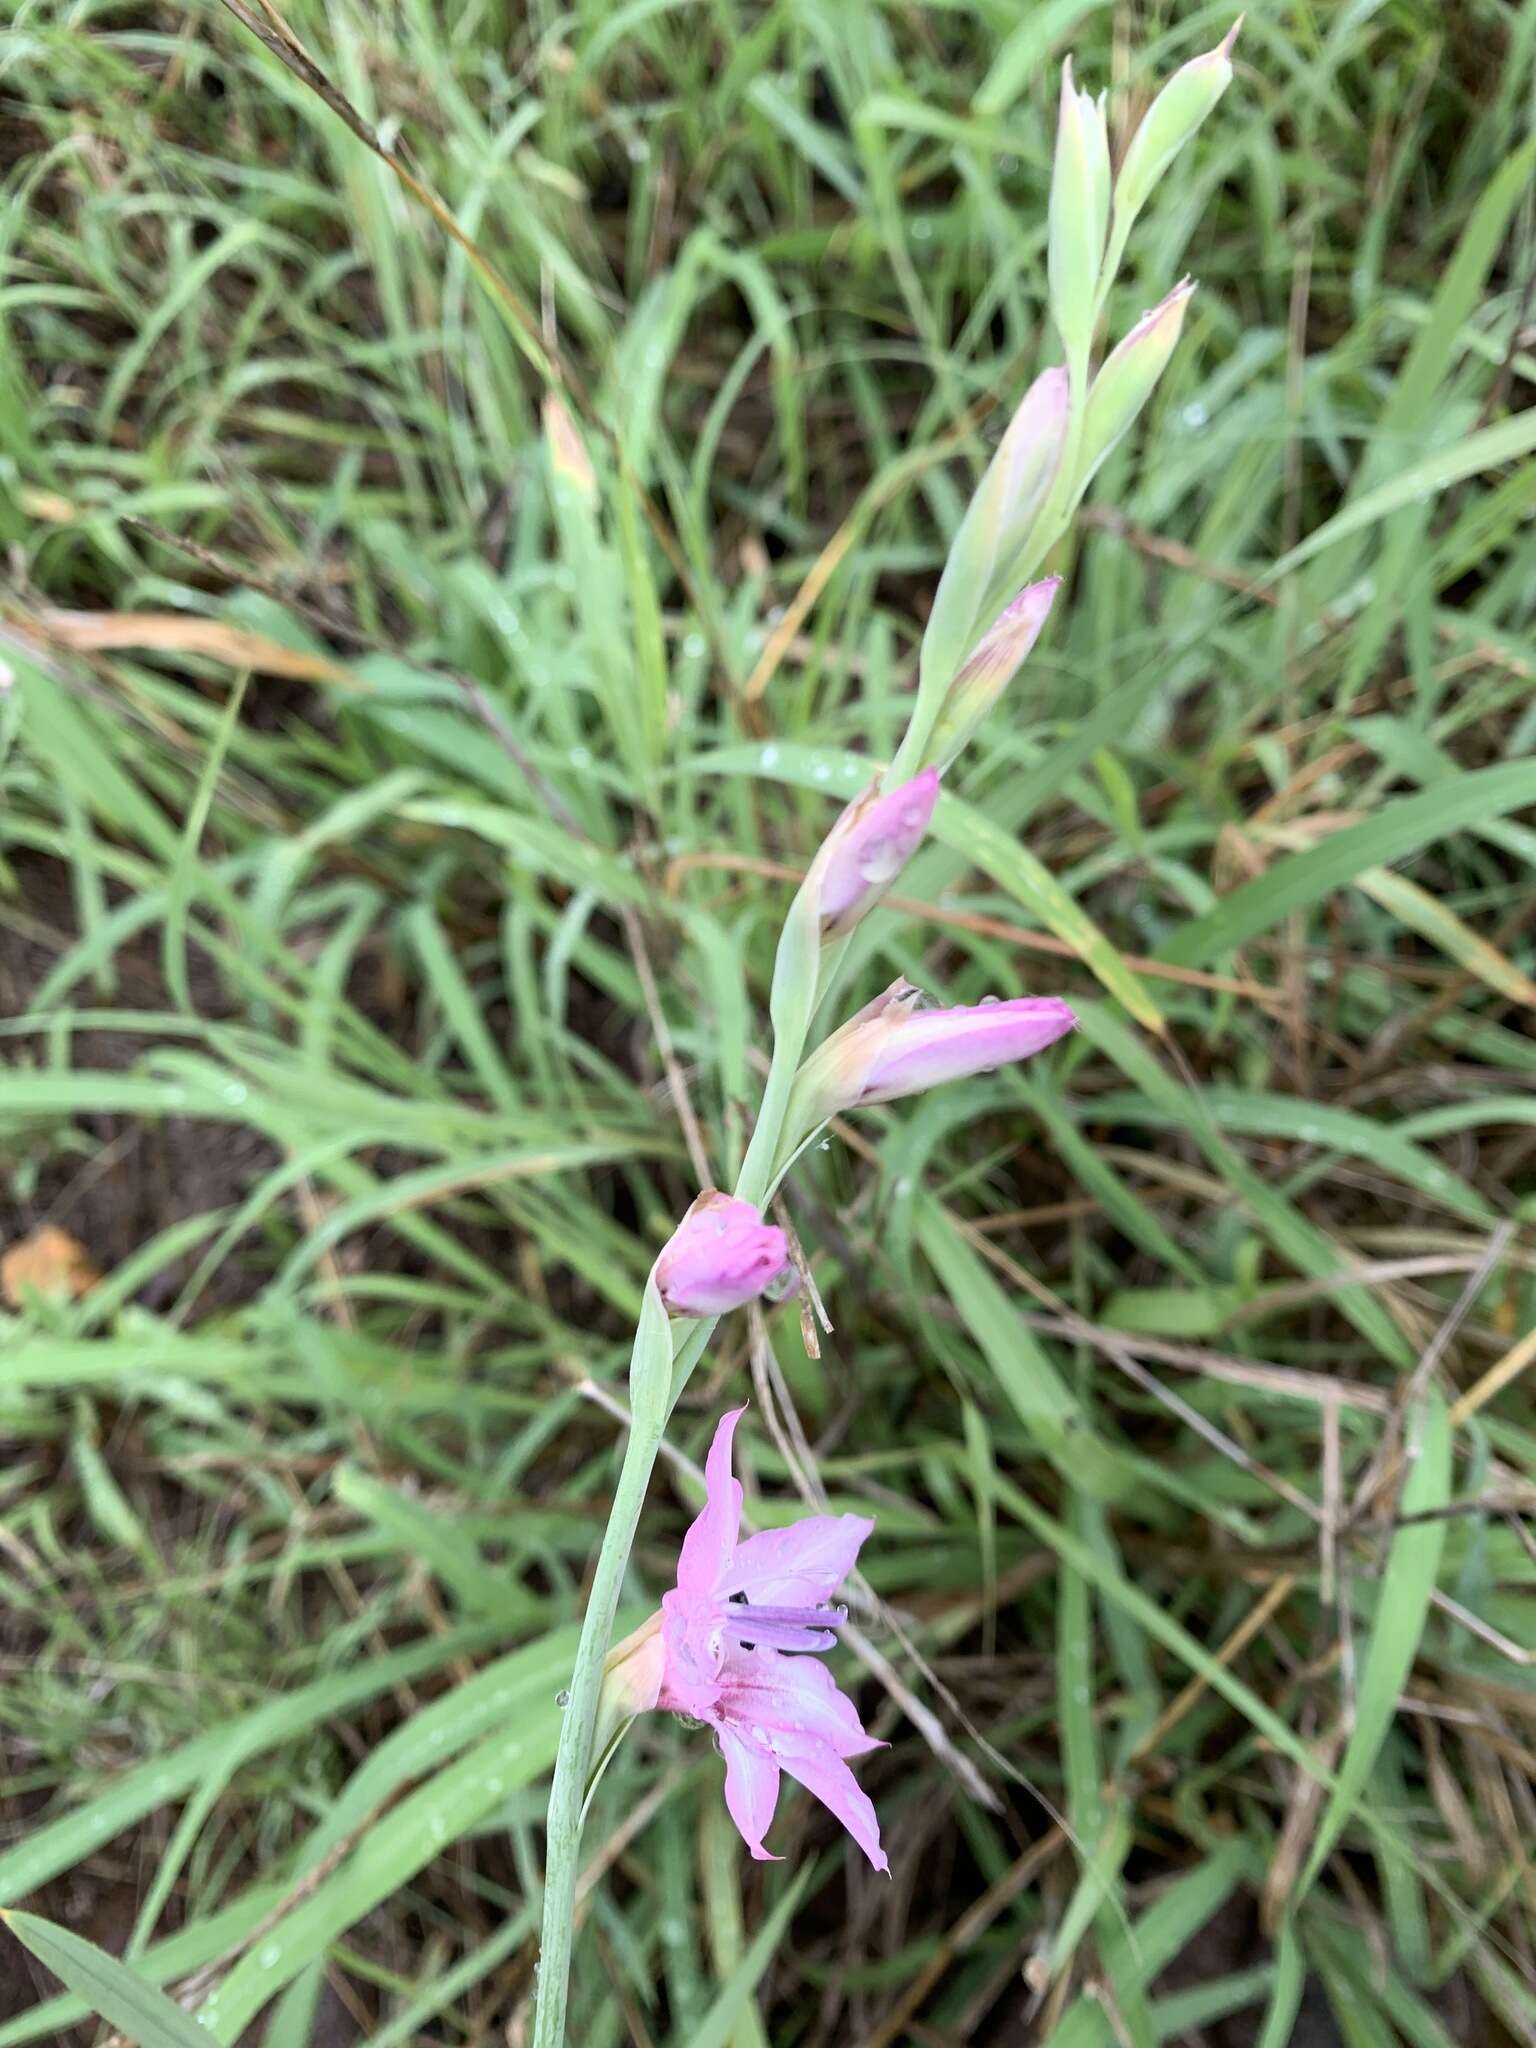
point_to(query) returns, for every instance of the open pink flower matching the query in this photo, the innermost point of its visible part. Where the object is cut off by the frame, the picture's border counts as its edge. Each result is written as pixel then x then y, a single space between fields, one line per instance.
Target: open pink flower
pixel 872 842
pixel 721 1256
pixel 735 1631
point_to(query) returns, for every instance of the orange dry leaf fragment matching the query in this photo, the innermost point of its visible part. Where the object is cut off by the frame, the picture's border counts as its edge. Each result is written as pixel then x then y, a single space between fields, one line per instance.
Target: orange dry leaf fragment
pixel 49 1261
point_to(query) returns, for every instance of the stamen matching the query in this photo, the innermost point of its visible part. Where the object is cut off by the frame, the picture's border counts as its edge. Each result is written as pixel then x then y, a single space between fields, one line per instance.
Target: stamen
pixel 805 1617
pixel 783 1628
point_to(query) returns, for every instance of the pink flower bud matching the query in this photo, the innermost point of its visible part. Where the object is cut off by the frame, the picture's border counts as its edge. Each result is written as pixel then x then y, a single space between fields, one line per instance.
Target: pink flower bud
pixel 872 842
pixel 999 652
pixel 892 1048
pixel 1030 448
pixel 720 1256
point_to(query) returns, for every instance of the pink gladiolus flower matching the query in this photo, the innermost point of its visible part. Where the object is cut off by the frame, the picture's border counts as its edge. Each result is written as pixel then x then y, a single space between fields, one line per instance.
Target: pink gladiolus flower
pixel 872 842
pixel 735 1631
pixel 892 1048
pixel 720 1256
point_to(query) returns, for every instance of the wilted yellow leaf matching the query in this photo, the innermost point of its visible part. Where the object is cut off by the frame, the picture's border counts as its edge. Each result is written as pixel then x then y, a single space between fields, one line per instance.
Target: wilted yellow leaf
pixel 48 1261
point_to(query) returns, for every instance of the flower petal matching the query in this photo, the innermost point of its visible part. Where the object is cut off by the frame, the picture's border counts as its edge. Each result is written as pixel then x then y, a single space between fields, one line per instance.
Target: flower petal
pixel 707 1547
pixel 693 1645
pixel 800 1565
pixel 830 1779
pixel 789 1703
pixel 751 1790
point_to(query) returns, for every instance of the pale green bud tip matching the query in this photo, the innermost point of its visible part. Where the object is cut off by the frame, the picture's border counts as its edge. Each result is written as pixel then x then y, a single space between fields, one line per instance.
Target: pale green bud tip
pixel 1169 123
pixel 1158 329
pixel 1078 220
pixel 1128 375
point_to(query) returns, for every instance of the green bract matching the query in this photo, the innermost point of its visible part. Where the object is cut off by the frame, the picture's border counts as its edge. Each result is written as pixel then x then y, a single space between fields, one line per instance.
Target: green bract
pixel 1168 124
pixel 1079 215
pixel 1125 383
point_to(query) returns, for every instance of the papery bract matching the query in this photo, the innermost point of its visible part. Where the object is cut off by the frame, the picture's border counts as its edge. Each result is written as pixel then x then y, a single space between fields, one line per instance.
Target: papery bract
pixel 735 1632
pixel 721 1256
pixel 870 845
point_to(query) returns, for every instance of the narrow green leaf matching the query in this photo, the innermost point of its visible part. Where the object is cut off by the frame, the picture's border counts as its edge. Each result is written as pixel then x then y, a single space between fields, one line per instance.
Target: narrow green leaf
pixel 59 1845
pixel 146 2016
pixel 1401 1613
pixel 1399 829
pixel 718 2025
pixel 1037 1392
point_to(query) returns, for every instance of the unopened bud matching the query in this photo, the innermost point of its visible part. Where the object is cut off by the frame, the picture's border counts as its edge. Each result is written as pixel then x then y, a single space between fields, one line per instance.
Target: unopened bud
pixel 1125 381
pixel 1169 123
pixel 892 1047
pixel 1025 465
pixel 721 1256
pixel 870 845
pixel 995 532
pixel 991 667
pixel 1079 214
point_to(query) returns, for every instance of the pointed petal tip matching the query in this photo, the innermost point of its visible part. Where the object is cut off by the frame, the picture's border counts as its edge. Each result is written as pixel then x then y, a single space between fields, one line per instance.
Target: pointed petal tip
pixel 1225 46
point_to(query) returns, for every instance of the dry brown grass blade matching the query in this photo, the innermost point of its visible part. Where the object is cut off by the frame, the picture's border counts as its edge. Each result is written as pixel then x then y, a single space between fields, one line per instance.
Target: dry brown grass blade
pixel 273 32
pixel 181 633
pixel 959 1939
pixel 982 925
pixel 1495 1379
pixel 1307 1791
pixel 1273 1598
pixel 554 369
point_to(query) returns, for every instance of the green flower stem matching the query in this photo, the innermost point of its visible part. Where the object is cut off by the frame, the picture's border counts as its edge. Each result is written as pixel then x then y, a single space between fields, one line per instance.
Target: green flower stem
pixel 663 1358
pixel 574 1754
pixel 752 1182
